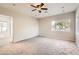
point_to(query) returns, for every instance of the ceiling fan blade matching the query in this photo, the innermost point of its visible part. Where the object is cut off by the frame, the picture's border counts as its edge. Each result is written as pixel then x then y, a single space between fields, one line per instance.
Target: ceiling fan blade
pixel 37 6
pixel 33 9
pixel 41 4
pixel 44 8
pixel 39 11
pixel 33 6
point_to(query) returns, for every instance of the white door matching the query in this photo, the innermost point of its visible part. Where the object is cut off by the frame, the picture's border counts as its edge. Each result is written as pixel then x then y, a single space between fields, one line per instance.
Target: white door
pixel 5 29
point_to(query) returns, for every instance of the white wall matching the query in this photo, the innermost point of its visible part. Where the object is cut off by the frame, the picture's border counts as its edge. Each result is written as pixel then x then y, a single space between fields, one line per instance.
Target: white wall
pixel 24 26
pixel 45 27
pixel 77 27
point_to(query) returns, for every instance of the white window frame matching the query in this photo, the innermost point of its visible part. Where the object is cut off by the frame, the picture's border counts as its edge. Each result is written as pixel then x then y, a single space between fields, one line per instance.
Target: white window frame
pixel 53 27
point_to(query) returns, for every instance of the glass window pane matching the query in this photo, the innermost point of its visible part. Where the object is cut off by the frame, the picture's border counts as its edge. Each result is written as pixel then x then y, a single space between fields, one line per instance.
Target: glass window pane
pixel 3 26
pixel 61 25
pixel 4 29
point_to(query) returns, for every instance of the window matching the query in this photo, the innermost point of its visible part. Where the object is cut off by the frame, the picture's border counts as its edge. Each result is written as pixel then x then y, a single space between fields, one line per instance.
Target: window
pixel 3 26
pixel 61 25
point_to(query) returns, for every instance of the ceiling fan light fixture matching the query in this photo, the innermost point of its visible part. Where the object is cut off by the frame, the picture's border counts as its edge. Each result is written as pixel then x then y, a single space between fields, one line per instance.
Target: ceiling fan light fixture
pixel 39 7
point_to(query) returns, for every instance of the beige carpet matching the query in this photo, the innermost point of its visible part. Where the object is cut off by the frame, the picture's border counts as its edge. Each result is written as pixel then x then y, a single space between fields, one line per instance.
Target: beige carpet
pixel 40 46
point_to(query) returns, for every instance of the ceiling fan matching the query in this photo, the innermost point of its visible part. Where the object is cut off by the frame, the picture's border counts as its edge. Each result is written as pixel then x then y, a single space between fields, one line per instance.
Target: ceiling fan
pixel 39 7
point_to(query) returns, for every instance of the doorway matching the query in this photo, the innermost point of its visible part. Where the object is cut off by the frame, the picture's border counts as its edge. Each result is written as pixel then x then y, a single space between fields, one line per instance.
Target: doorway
pixel 6 29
